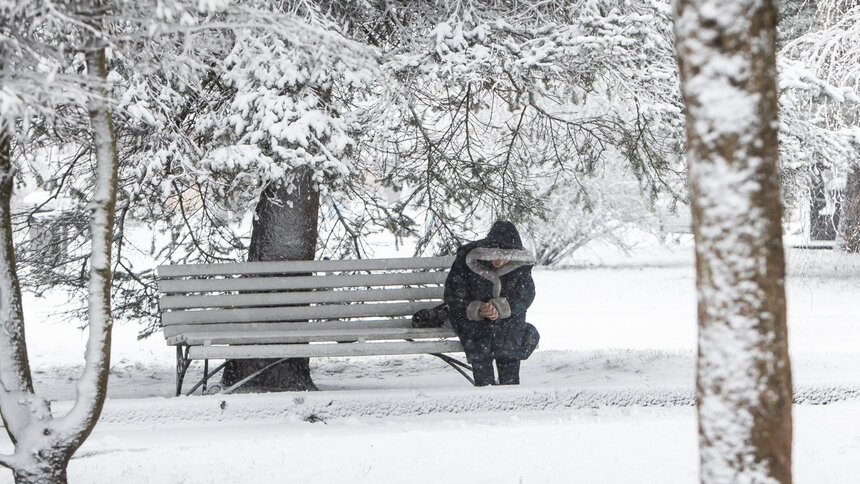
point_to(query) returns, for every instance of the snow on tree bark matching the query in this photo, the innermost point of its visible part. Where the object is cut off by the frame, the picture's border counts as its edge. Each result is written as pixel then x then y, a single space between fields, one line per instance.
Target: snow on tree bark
pixel 727 65
pixel 285 226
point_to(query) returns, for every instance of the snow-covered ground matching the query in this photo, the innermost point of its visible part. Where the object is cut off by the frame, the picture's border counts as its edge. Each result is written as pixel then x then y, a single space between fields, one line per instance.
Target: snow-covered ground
pixel 607 398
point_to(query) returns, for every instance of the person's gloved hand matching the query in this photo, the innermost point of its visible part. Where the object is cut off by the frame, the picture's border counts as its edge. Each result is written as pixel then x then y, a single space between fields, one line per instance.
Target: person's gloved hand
pixel 489 311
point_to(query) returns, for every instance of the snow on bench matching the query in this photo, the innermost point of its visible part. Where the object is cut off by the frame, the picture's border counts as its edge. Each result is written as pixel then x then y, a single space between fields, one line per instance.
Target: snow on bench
pixel 334 307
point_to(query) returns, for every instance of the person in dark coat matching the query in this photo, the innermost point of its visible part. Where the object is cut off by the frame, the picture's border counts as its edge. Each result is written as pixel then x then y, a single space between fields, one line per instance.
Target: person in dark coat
pixel 488 291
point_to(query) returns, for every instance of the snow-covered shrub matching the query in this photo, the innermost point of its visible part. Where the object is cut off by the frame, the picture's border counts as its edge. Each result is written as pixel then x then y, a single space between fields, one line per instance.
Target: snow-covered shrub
pixel 608 206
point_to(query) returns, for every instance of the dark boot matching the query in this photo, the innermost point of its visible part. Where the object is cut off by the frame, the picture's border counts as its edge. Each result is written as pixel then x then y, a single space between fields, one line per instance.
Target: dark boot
pixel 483 372
pixel 509 372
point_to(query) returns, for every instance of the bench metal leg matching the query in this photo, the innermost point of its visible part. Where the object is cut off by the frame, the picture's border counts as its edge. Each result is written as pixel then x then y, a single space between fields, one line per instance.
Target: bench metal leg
pixel 457 365
pixel 206 376
pixel 182 363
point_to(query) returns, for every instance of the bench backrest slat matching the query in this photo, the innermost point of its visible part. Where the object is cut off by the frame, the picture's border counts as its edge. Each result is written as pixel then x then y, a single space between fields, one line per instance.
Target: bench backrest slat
pixel 215 328
pixel 257 284
pixel 295 267
pixel 302 297
pixel 294 313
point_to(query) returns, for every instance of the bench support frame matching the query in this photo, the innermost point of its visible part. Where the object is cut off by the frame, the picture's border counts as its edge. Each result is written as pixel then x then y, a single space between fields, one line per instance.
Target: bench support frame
pixel 183 362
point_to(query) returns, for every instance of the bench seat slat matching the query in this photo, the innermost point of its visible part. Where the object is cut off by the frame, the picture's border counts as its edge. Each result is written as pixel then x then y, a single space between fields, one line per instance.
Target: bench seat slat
pixel 215 328
pixel 296 267
pixel 324 350
pixel 257 284
pixel 294 313
pixel 305 336
pixel 304 297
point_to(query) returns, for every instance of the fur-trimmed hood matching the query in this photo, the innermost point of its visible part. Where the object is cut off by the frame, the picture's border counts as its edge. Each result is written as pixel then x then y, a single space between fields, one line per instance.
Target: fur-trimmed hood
pixel 502 242
pixel 478 260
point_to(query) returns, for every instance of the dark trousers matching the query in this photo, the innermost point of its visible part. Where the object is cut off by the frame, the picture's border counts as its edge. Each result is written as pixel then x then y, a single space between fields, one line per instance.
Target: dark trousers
pixel 509 372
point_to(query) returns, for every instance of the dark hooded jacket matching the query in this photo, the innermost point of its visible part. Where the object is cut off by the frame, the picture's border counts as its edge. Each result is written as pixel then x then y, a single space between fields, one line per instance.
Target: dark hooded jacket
pixel 473 280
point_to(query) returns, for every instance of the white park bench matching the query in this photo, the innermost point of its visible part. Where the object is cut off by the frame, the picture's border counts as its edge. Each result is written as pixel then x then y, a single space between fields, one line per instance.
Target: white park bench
pixel 356 307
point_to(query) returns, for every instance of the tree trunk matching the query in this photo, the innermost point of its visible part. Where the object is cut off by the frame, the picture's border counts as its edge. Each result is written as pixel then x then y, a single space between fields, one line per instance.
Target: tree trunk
pixel 727 64
pixel 50 470
pixel 20 409
pixel 14 364
pixel 849 224
pixel 822 226
pixel 44 444
pixel 285 228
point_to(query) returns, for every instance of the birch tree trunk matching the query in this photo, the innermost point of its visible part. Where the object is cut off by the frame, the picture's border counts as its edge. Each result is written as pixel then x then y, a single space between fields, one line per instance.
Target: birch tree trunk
pixel 45 443
pixel 15 378
pixel 285 228
pixel 728 78
pixel 24 414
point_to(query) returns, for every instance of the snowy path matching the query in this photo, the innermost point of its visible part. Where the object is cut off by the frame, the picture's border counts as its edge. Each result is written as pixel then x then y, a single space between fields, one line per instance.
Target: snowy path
pixel 607 446
pixel 195 441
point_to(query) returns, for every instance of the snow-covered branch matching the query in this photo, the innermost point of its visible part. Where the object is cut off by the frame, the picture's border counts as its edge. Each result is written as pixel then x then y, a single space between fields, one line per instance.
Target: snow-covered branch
pixel 7 461
pixel 403 111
